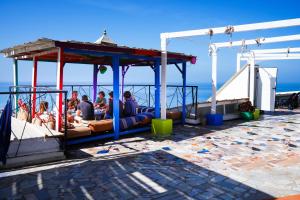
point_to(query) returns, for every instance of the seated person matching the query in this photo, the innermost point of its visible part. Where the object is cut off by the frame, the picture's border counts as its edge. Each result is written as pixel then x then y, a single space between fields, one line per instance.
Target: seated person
pixel 74 101
pixel 44 117
pixel 100 101
pixel 23 113
pixel 109 109
pixel 85 109
pixel 130 105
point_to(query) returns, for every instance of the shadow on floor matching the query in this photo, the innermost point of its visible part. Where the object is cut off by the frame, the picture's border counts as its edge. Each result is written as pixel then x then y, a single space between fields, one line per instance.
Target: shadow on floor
pixel 156 174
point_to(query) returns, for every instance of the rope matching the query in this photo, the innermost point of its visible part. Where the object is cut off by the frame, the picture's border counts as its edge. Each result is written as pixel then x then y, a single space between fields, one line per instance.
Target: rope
pixel 258 41
pixel 210 33
pixel 228 31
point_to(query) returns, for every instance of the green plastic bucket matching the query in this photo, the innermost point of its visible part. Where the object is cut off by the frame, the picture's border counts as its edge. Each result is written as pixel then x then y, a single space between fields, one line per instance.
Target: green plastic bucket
pixel 247 115
pixel 256 114
pixel 162 127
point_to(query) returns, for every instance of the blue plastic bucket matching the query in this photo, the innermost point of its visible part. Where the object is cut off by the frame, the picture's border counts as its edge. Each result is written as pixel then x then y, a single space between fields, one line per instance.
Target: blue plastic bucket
pixel 214 119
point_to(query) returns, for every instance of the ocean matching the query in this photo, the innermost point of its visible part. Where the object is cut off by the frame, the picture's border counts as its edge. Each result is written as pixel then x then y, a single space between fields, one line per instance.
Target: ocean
pixel 204 91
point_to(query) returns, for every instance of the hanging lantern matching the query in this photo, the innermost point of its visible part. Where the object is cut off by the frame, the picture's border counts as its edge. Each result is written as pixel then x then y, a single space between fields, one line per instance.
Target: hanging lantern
pixel 102 69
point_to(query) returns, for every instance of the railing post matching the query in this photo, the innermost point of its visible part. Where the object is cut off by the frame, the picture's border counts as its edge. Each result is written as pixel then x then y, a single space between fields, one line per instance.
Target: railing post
pixel 30 105
pixel 65 124
pixel 16 83
pixel 157 88
pixel 183 93
pixel 116 90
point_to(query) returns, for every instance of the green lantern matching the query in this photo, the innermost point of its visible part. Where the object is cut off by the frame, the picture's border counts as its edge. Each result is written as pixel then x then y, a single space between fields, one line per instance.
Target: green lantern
pixel 102 69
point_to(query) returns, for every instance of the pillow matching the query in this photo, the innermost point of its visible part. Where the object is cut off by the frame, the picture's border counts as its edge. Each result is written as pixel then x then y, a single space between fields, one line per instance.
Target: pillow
pixel 175 115
pixel 128 122
pixel 101 126
pixel 145 118
pixel 78 132
pixel 143 109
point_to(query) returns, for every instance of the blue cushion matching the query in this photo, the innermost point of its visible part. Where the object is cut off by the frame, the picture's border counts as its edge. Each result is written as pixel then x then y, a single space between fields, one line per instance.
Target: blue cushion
pixel 143 116
pixel 143 109
pixel 128 122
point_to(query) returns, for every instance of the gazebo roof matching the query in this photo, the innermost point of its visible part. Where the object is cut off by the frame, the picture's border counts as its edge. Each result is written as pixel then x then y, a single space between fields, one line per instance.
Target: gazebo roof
pixel 90 53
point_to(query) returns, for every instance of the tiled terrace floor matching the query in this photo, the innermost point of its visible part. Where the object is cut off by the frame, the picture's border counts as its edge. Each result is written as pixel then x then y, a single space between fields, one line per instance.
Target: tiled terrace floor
pixel 241 160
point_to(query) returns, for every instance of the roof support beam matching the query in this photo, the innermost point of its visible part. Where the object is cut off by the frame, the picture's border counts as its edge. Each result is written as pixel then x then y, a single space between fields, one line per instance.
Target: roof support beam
pixel 59 86
pixel 237 28
pixel 95 81
pixel 33 85
pixel 180 70
pixel 157 88
pixel 163 89
pixel 116 93
pixel 16 83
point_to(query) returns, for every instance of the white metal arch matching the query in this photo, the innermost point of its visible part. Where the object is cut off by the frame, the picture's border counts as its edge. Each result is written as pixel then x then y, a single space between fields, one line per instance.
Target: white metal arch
pixel 208 31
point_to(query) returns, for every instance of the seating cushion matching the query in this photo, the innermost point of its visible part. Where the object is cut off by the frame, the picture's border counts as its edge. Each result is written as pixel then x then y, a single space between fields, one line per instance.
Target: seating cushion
pixel 101 126
pixel 128 122
pixel 78 132
pixel 175 115
pixel 144 118
pixel 143 109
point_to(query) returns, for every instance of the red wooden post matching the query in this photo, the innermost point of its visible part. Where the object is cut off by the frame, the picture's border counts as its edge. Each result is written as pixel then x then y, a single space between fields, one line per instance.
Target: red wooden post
pixel 33 85
pixel 59 86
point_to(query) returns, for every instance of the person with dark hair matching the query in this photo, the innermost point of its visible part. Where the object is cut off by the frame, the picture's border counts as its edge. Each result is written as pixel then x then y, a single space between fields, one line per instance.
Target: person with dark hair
pixel 295 100
pixel 129 105
pixel 74 101
pixel 86 109
pixel 101 100
pixel 109 109
pixel 290 101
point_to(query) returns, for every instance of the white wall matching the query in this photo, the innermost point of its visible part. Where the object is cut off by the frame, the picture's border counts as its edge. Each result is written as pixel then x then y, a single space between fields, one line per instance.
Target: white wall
pixel 236 87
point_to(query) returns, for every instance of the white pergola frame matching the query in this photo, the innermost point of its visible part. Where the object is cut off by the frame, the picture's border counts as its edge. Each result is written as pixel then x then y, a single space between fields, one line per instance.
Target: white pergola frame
pixel 206 32
pixel 251 60
pixel 268 53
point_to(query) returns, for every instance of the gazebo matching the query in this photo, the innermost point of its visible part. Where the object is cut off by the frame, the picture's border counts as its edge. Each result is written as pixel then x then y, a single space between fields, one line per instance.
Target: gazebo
pixel 102 52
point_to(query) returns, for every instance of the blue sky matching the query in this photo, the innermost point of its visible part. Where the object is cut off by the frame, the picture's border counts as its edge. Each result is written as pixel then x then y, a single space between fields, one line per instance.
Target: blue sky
pixel 138 24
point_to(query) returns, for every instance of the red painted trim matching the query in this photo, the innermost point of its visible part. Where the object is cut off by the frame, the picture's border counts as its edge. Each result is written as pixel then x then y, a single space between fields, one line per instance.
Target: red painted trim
pixel 33 84
pixel 120 49
pixel 60 87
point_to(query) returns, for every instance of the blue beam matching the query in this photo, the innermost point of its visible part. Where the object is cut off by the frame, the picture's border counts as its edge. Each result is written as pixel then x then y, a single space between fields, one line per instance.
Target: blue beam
pixel 89 139
pixel 183 92
pixel 116 94
pixel 97 53
pixel 136 130
pixel 95 73
pixel 180 70
pixel 157 88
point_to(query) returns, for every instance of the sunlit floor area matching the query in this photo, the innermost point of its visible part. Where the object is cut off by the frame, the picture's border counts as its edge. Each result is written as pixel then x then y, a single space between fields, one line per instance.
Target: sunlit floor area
pixel 239 160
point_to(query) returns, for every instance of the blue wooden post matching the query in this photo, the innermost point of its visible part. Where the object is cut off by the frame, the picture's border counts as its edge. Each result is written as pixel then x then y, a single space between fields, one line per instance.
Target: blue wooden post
pixel 183 92
pixel 116 90
pixel 16 83
pixel 95 72
pixel 157 88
